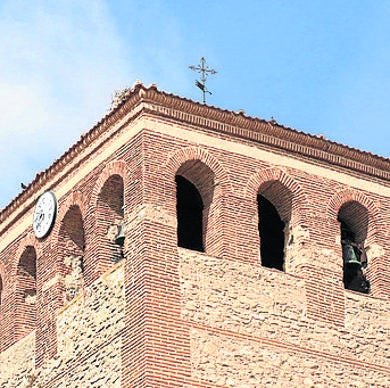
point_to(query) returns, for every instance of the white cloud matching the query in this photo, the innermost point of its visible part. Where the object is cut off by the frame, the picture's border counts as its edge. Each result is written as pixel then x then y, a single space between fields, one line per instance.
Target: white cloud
pixel 59 63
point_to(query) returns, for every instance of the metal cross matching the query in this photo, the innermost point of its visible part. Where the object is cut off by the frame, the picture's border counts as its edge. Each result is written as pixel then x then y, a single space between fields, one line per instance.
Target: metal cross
pixel 204 71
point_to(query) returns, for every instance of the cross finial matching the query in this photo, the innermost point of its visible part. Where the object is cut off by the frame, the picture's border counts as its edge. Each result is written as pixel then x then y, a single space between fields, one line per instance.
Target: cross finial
pixel 204 71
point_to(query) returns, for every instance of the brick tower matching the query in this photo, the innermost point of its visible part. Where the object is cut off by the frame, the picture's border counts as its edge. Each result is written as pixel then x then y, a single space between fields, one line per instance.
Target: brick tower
pixel 181 245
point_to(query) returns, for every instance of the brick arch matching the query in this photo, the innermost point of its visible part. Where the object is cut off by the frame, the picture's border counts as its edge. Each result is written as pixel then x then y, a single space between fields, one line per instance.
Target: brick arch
pixel 215 192
pixel 76 198
pixel 117 167
pixel 29 240
pixel 261 177
pixel 24 288
pixel 344 196
pixel 74 211
pixel 178 158
pixel 71 242
pixel 347 195
pixel 376 236
pixel 104 217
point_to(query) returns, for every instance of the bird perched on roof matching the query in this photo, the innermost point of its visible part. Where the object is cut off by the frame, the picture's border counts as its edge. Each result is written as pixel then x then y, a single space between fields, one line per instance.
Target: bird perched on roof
pixel 23 186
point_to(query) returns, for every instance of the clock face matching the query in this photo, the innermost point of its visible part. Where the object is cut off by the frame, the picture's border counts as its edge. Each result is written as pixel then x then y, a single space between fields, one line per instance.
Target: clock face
pixel 44 214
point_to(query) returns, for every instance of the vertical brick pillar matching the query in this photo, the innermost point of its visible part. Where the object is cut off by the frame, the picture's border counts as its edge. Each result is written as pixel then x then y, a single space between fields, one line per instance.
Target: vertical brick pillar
pixel 25 293
pixel 242 234
pixel 322 270
pixel 3 305
pixel 324 294
pixel 92 266
pixel 7 335
pixel 155 351
pixel 378 274
pixel 378 270
pixel 50 293
pixel 219 233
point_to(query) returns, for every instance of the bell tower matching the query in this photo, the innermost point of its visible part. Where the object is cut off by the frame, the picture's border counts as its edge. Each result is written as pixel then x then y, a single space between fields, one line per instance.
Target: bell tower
pixel 182 245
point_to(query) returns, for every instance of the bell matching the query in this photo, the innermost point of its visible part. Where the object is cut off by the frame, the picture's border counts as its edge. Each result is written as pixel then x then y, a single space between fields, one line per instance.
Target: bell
pixel 120 237
pixel 349 255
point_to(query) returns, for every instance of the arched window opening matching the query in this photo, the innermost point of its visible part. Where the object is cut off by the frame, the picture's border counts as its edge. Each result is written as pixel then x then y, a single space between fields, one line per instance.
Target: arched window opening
pixel 271 231
pixel 27 272
pixel 110 216
pixel 353 218
pixel 274 203
pixel 72 231
pixel 196 218
pixel 72 245
pixel 25 298
pixel 189 207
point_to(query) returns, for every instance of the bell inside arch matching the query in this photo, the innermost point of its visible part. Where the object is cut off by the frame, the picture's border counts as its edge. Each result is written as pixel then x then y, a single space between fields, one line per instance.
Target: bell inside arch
pixel 349 255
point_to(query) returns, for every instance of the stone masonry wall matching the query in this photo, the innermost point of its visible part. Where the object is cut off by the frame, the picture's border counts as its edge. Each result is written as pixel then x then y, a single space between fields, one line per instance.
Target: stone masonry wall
pixel 245 363
pixel 89 342
pixel 249 308
pixel 17 359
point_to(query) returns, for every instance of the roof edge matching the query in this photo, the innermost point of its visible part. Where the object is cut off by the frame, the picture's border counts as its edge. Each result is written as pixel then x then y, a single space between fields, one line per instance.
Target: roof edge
pixel 254 128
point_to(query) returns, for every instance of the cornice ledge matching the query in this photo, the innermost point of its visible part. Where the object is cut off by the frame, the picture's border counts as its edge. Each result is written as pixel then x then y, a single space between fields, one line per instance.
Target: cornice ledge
pixel 234 123
pixel 269 133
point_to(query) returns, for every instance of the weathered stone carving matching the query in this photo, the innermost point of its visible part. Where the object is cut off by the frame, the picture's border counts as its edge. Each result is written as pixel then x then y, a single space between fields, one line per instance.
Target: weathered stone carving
pixel 74 280
pixel 30 299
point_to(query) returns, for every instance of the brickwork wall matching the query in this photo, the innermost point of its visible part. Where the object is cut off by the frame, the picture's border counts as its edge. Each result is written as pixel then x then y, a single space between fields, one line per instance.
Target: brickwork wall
pixel 25 295
pixel 243 176
pixel 174 304
pixel 81 202
pixel 315 204
pixel 109 215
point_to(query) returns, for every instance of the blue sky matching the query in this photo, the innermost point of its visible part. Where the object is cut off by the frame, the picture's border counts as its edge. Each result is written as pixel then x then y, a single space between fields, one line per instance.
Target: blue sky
pixel 320 66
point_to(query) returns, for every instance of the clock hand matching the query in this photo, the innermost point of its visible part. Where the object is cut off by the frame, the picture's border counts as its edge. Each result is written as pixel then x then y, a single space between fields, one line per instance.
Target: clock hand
pixel 39 219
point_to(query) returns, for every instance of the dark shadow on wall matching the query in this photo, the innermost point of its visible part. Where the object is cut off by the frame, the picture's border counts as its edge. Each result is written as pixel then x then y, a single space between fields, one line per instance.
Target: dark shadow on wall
pixel 189 207
pixel 271 234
